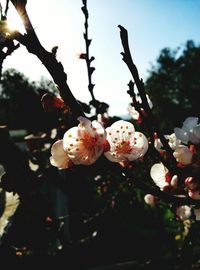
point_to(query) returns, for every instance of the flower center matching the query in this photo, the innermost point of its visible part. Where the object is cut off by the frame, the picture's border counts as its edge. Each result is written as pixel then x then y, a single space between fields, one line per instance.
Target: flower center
pixel 89 142
pixel 123 147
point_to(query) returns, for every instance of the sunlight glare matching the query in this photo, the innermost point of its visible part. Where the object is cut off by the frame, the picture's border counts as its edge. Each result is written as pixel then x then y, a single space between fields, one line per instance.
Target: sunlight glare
pixel 14 23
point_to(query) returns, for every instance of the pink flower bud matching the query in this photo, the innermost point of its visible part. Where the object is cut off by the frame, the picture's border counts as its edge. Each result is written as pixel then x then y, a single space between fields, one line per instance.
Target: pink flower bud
pixel 150 199
pixel 194 194
pixel 191 183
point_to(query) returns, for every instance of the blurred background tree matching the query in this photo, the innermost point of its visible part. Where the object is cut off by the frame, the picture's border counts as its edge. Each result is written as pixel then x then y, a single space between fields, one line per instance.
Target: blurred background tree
pixel 20 102
pixel 174 85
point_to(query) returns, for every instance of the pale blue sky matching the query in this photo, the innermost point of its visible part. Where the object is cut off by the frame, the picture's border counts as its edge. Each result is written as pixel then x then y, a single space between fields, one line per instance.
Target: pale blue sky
pixel 152 25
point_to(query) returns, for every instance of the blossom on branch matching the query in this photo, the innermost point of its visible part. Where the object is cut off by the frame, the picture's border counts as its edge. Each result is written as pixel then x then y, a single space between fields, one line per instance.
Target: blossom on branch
pixel 84 143
pixel 126 144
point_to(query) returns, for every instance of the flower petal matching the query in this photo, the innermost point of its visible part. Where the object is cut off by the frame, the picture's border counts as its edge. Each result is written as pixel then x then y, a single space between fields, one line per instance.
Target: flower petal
pixel 57 148
pixel 120 131
pixel 158 172
pixel 59 157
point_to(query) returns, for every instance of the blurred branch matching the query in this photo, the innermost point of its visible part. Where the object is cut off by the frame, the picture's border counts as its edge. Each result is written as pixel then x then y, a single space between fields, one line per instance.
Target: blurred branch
pixel 48 59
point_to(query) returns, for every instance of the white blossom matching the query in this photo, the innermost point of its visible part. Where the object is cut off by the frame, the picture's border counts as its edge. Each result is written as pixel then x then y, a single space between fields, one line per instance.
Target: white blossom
pixel 126 144
pixel 85 143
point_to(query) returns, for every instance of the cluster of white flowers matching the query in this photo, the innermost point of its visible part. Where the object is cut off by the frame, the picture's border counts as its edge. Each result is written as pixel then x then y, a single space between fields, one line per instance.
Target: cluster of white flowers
pixel 184 143
pixel 85 143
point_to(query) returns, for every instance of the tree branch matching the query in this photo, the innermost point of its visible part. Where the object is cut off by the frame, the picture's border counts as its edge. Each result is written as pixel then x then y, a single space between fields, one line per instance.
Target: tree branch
pixel 48 59
pixel 163 195
pixel 88 60
pixel 127 58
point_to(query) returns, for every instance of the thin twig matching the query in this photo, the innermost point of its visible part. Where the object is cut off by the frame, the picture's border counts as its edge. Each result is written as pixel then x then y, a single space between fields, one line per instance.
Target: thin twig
pixel 88 59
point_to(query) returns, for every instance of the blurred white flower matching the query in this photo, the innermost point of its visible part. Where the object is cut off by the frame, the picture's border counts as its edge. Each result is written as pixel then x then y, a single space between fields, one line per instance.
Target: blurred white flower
pixel 174 181
pixel 197 213
pixel 11 204
pixel 191 184
pixel 157 143
pixel 194 194
pixel 125 143
pixel 190 131
pixel 85 143
pixel 183 155
pixel 59 157
pixel 183 212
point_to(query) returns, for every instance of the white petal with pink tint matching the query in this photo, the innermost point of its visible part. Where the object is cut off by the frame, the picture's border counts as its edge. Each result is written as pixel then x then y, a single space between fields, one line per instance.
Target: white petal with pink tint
pixel 158 173
pixel 59 157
